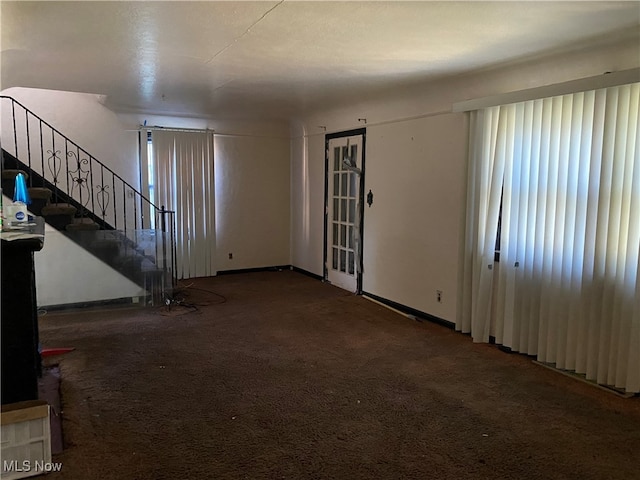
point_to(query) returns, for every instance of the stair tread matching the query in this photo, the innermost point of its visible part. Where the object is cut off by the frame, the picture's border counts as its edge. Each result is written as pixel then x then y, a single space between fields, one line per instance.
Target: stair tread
pixel 83 220
pixel 62 204
pixel 40 193
pixel 83 223
pixel 10 173
pixel 58 209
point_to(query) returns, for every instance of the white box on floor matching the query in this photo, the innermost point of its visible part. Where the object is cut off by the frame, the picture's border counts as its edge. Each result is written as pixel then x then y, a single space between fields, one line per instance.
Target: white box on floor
pixel 26 440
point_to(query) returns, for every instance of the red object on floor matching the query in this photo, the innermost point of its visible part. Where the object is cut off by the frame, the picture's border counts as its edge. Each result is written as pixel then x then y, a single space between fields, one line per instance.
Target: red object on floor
pixel 48 352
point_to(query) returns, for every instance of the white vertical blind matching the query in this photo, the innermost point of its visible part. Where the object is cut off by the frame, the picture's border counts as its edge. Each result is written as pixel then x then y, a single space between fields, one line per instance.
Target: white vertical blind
pixel 568 171
pixel 184 183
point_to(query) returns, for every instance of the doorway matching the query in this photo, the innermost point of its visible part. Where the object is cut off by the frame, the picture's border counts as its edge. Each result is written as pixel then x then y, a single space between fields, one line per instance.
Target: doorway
pixel 344 167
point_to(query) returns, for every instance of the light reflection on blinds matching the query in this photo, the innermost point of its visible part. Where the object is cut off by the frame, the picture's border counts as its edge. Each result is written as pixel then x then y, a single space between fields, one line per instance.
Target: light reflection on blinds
pixel 184 182
pixel 567 281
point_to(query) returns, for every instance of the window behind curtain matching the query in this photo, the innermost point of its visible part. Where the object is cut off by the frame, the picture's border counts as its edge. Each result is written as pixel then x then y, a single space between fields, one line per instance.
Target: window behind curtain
pixel 180 173
pixel 568 288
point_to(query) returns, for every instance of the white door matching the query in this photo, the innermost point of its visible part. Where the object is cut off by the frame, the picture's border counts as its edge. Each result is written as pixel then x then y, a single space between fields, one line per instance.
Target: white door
pixel 342 211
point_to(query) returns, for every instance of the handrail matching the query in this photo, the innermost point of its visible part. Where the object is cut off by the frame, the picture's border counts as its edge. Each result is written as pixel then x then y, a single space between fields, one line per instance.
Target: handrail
pixel 81 180
pixel 77 146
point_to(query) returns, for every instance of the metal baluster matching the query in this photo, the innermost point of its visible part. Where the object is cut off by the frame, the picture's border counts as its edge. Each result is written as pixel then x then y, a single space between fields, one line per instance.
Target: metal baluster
pixel 142 209
pixel 55 175
pixel 115 213
pixel 80 181
pixel 135 211
pixel 155 236
pixel 15 130
pixel 124 206
pixel 26 116
pixel 93 205
pixel 163 229
pixel 42 155
pixel 102 186
pixel 174 248
pixel 163 224
pixel 66 157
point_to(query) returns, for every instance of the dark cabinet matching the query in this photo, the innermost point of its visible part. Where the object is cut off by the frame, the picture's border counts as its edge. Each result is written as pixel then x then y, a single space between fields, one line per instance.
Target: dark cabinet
pixel 21 364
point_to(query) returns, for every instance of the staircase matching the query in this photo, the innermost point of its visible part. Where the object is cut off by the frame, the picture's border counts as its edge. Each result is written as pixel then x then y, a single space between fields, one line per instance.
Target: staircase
pixel 88 202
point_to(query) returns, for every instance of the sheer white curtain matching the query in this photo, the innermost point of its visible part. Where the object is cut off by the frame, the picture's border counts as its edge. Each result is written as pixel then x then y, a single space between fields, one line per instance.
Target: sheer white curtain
pixel 183 172
pixel 567 169
pixel 485 173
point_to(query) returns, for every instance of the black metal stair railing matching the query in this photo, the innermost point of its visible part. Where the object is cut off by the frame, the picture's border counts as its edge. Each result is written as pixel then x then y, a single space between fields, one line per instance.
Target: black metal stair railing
pixel 9 162
pixel 101 198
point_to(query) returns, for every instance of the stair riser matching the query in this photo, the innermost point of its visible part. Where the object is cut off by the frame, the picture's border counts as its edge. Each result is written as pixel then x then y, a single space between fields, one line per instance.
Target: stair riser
pixel 59 222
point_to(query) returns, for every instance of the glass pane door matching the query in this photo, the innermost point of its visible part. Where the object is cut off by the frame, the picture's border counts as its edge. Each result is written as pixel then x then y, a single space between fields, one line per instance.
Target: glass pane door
pixel 342 209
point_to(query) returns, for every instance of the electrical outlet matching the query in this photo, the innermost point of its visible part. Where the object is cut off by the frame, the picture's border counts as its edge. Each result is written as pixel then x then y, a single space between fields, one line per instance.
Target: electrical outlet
pixel 439 296
pixel 231 256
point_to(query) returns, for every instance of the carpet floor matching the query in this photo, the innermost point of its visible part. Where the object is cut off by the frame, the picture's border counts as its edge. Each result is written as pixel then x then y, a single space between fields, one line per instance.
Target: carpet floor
pixel 275 375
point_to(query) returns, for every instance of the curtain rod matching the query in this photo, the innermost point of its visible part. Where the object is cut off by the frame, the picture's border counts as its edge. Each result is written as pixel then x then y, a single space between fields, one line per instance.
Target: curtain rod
pixel 217 134
pixel 607 79
pixel 175 129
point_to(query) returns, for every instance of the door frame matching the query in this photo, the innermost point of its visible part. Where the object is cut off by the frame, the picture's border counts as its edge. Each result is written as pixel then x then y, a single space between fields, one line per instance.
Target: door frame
pixel 327 138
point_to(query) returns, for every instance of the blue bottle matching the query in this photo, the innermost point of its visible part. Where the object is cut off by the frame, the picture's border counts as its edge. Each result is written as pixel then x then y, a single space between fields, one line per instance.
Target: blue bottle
pixel 20 192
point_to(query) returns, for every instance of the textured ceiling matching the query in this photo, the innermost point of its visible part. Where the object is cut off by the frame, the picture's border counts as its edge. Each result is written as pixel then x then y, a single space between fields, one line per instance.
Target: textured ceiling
pixel 278 59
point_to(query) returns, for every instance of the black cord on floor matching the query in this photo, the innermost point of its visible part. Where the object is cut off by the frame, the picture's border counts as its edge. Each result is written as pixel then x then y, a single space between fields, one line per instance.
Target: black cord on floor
pixel 182 291
pixel 224 299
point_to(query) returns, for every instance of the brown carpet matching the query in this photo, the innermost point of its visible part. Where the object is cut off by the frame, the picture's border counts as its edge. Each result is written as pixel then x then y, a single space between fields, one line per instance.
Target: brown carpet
pixel 292 378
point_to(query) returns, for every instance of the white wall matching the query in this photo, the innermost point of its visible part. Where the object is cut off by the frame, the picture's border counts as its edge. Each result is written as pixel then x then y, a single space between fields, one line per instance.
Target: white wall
pixel 416 168
pixel 307 200
pixel 252 201
pixel 67 274
pixel 412 229
pixel 85 121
